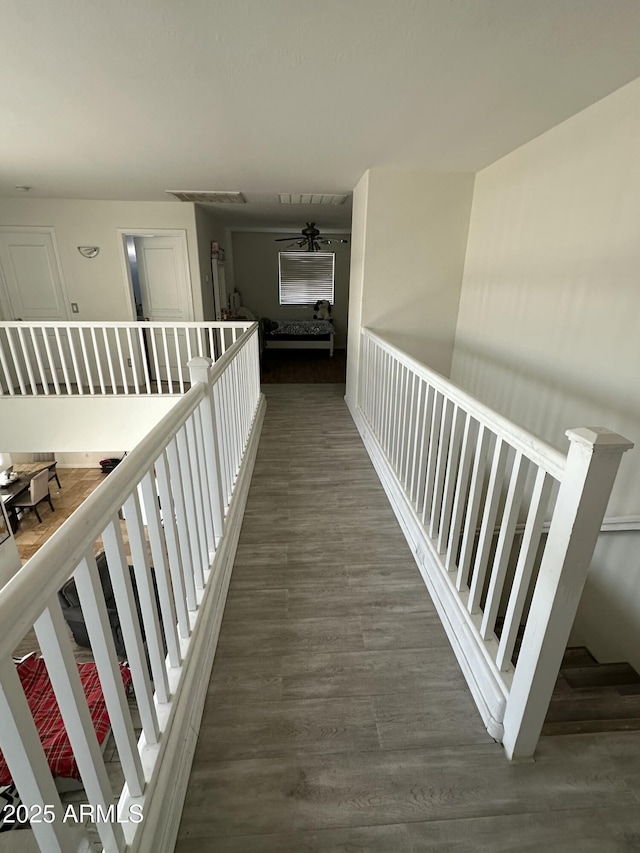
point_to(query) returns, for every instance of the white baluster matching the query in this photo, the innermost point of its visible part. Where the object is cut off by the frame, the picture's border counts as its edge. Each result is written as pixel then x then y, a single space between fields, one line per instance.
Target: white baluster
pixel 123 372
pixel 473 507
pixel 189 502
pixel 128 615
pixel 173 546
pixel 96 619
pixel 27 361
pixel 160 566
pixel 492 500
pixel 74 361
pixel 505 543
pixel 85 357
pixel 52 364
pixel 5 367
pixel 441 466
pixel 156 360
pixel 144 359
pixel 524 568
pixel 459 503
pixel 36 349
pixel 167 360
pixel 27 762
pixel 432 457
pixel 53 638
pixel 133 360
pixel 459 418
pixel 146 596
pixel 179 365
pixel 182 522
pixel 98 358
pixel 592 463
pixel 107 349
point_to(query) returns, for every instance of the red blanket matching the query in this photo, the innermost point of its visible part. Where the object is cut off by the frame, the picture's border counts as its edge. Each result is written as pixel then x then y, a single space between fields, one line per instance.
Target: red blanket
pixel 46 714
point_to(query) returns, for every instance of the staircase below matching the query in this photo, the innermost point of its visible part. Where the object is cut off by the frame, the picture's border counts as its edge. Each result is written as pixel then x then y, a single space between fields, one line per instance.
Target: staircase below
pixel 593 697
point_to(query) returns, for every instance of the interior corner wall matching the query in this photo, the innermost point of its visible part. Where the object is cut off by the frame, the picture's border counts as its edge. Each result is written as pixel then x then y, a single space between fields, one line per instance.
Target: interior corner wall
pixel 548 329
pixel 99 284
pixel 255 258
pixel 356 285
pixel 210 227
pixel 416 234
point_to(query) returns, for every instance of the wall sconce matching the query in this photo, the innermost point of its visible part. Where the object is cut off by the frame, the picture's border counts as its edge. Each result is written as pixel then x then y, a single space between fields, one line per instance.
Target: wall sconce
pixel 88 251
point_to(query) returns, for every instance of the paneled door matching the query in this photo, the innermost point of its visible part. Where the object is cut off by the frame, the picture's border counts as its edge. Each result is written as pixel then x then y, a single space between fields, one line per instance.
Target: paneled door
pixel 31 284
pixel 165 288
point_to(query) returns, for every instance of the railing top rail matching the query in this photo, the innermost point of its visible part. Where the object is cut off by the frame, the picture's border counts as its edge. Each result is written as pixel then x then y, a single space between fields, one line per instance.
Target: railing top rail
pixel 51 566
pixel 534 448
pixel 133 324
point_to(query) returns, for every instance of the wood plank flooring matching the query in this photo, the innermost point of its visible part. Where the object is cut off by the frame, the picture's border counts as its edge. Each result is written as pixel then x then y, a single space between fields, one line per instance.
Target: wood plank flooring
pixel 337 718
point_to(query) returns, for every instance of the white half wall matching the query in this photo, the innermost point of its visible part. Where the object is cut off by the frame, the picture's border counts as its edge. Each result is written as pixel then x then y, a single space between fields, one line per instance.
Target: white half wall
pixel 548 330
pixel 79 424
pixel 99 285
pixel 411 228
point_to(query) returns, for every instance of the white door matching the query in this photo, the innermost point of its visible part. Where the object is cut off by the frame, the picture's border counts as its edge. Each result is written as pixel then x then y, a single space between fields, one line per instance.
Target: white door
pixel 33 288
pixel 31 285
pixel 165 289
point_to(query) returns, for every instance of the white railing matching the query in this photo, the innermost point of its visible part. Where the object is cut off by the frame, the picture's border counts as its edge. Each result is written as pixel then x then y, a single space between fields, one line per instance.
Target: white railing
pixel 473 492
pixel 107 358
pixel 172 510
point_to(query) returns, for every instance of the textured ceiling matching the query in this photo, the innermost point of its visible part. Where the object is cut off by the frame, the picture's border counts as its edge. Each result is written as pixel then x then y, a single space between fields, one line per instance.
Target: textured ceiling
pixel 121 100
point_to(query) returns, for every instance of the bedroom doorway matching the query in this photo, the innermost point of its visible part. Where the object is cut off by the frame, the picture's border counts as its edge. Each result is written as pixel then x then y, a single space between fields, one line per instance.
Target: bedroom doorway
pixel 157 269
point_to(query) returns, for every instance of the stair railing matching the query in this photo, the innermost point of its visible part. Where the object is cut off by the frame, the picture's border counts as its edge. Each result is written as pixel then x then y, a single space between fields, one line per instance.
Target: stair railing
pixel 64 358
pixel 473 492
pixel 171 510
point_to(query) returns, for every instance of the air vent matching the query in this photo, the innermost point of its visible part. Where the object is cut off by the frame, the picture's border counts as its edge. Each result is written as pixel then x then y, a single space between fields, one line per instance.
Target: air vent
pixel 208 196
pixel 311 198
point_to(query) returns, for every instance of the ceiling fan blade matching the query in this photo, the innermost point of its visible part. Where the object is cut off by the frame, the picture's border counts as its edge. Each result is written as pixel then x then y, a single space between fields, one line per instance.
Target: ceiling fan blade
pixel 282 239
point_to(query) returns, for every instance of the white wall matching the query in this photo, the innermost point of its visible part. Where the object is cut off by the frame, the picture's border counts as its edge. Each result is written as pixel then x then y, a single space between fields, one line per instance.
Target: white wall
pixel 414 231
pixel 255 257
pixel 79 424
pixel 210 226
pixel 99 285
pixel 549 323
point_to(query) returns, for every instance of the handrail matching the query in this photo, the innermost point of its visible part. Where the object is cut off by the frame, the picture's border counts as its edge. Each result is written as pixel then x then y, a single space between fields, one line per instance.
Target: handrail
pixel 18 608
pixel 502 526
pixel 178 498
pixel 123 324
pixel 535 448
pixel 78 358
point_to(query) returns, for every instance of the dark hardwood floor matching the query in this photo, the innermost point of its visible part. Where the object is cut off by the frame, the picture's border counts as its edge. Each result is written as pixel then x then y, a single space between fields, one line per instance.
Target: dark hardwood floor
pixel 337 718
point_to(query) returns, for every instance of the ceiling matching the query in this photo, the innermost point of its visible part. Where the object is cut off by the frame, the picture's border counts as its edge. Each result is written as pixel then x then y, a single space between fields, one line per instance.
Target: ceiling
pixel 121 100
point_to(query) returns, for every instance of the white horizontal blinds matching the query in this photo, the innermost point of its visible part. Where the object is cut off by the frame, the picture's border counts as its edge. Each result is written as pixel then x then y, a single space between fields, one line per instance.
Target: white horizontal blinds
pixel 306 277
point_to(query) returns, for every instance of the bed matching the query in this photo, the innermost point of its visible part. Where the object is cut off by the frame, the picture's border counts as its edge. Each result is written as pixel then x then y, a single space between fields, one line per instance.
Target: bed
pixel 298 334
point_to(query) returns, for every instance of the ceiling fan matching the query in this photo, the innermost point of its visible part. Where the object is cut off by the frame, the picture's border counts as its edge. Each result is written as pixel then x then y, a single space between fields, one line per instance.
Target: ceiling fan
pixel 310 240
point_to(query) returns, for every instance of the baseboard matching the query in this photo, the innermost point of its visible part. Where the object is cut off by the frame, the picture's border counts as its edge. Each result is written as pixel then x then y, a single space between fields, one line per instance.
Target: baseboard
pixel 165 800
pixel 477 667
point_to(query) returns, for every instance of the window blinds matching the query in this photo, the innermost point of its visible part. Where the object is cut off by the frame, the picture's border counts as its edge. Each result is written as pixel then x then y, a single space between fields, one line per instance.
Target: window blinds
pixel 306 277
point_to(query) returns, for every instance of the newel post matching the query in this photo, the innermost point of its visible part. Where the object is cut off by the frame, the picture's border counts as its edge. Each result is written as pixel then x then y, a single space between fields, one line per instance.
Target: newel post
pixel 199 372
pixel 591 468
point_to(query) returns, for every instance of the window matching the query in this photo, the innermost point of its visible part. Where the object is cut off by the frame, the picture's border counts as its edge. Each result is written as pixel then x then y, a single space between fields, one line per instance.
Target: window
pixel 306 277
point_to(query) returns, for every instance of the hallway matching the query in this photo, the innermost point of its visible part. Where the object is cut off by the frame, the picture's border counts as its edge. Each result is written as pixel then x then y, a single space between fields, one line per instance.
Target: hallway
pixel 337 717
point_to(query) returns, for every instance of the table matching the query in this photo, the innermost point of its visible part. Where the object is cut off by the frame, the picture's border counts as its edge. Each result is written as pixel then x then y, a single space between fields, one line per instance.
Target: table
pixel 25 472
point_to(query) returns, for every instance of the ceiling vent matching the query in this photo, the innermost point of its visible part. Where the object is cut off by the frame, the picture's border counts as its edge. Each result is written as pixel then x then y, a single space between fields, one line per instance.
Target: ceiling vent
pixel 208 196
pixel 312 198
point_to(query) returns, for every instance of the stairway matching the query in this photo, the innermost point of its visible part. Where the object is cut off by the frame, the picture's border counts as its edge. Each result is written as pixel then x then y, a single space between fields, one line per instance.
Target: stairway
pixel 593 697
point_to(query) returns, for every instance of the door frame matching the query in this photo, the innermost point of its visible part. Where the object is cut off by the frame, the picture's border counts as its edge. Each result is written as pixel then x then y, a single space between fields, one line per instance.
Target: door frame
pixel 123 233
pixel 5 301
